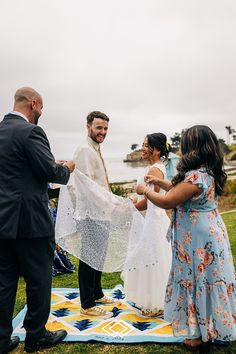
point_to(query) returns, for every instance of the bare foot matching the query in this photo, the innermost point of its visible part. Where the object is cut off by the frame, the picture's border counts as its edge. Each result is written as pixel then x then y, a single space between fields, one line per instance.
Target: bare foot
pixel 193 342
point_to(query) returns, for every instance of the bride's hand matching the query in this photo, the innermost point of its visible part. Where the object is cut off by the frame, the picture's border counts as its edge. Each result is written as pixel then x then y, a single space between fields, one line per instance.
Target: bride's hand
pixel 140 189
pixel 152 179
pixel 133 198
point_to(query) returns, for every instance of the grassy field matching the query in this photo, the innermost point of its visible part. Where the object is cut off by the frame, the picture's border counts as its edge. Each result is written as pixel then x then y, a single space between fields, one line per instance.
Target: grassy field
pixel 109 281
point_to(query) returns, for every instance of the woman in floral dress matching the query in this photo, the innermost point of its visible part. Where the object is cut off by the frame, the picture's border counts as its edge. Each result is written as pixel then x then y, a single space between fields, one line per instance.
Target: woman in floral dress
pixel 201 292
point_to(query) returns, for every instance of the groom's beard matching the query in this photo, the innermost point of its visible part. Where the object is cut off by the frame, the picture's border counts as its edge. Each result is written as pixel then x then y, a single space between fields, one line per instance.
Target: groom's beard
pixel 98 138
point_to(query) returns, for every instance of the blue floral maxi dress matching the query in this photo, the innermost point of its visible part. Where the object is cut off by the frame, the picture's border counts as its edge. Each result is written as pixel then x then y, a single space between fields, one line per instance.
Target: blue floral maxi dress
pixel 201 291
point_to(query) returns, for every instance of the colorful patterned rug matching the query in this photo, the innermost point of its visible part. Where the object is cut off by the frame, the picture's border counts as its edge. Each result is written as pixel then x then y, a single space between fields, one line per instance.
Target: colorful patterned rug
pixel 127 326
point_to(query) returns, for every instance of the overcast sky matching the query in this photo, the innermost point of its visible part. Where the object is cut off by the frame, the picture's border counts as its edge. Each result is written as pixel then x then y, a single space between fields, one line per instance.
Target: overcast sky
pixel 150 65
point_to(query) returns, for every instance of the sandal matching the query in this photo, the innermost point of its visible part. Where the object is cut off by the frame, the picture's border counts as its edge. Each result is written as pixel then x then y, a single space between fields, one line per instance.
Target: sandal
pixel 149 313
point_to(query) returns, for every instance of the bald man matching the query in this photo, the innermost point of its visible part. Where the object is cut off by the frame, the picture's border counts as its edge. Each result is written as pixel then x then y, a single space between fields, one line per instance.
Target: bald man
pixel 26 228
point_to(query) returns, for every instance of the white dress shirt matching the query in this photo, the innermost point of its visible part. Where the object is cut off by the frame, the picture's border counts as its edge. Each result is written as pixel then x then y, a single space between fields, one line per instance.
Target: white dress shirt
pixel 19 114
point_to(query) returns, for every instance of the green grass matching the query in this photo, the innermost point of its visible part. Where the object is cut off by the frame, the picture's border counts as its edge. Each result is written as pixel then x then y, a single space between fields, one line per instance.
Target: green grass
pixel 109 281
pixel 230 222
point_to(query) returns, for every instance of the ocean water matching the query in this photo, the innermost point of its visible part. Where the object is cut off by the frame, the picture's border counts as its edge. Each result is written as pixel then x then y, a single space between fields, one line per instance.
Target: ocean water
pixel 119 171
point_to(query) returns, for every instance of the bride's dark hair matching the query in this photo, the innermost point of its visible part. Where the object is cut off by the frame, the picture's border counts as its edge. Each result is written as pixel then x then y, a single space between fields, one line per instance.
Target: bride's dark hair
pixel 159 141
pixel 199 146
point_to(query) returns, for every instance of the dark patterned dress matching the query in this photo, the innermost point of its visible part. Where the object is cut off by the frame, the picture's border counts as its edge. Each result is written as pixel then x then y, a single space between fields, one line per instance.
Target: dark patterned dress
pixel 61 261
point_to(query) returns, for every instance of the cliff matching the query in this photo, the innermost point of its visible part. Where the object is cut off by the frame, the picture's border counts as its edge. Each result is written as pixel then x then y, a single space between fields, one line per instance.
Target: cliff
pixel 134 156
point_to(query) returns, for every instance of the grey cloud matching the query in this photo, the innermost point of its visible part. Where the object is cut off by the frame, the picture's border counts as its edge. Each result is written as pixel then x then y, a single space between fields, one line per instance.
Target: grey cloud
pixel 150 65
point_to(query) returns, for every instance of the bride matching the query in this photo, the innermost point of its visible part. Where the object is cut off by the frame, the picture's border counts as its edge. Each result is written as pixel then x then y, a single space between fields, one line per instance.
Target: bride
pixel 145 285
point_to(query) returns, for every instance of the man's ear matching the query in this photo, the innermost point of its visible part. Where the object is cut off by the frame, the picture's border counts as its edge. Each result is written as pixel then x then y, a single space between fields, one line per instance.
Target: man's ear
pixel 33 104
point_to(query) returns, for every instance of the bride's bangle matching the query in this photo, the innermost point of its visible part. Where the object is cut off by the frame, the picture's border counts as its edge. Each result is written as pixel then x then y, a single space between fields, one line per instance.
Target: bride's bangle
pixel 146 191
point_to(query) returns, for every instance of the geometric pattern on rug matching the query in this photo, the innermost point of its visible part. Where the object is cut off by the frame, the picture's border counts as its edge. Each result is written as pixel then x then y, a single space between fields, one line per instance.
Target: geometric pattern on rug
pixel 126 325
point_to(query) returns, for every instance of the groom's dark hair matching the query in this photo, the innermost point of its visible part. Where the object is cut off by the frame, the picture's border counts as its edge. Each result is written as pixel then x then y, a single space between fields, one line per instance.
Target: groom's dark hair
pixel 96 114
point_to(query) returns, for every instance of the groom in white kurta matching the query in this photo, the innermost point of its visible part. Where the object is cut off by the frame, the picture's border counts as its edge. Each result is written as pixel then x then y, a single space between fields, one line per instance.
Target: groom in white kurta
pixel 90 162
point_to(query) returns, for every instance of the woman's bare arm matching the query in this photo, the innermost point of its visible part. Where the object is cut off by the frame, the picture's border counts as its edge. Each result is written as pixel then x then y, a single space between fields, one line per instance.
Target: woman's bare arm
pixel 154 172
pixel 175 196
pixel 141 204
pixel 162 183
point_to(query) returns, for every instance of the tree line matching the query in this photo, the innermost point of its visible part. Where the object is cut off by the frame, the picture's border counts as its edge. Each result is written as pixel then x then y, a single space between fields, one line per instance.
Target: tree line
pixel 175 140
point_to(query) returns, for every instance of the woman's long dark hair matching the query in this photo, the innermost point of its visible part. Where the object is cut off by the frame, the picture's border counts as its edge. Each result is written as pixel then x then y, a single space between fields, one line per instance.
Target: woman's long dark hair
pixel 199 146
pixel 159 141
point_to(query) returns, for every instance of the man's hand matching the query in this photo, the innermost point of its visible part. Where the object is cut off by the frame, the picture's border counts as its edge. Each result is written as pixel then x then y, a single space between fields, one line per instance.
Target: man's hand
pixel 60 162
pixel 70 164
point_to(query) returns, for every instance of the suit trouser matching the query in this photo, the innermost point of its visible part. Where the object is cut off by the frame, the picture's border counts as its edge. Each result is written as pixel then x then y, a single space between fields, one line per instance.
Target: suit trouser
pixel 90 285
pixel 31 258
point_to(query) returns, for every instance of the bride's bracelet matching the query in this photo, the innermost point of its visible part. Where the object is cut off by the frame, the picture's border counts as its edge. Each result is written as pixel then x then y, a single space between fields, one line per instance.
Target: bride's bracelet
pixel 146 191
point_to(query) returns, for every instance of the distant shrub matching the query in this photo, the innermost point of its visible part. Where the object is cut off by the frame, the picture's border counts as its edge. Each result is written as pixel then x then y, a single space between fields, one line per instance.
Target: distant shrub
pixel 227 202
pixel 232 147
pixel 233 157
pixel 118 190
pixel 230 187
pixel 231 154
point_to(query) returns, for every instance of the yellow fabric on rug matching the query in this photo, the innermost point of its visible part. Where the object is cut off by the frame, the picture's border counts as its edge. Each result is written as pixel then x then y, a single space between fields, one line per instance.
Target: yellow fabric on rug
pixel 126 325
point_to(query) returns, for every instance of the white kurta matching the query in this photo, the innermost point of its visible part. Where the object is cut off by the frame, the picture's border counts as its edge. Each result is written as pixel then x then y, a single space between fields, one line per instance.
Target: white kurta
pixel 89 161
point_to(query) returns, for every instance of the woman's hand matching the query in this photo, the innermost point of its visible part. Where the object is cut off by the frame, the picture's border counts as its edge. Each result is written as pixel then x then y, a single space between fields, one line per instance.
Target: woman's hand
pixel 152 179
pixel 140 189
pixel 133 198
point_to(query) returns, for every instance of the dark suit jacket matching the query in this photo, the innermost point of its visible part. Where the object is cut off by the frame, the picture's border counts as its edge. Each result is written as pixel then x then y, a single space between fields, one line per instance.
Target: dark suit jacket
pixel 26 166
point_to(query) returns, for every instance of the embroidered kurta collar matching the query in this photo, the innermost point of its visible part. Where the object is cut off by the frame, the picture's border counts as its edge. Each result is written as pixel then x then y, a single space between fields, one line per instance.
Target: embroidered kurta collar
pixel 93 143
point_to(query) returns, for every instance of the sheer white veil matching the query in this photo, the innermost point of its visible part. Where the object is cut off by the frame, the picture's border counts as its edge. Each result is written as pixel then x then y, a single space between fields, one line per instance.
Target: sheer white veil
pixel 98 227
